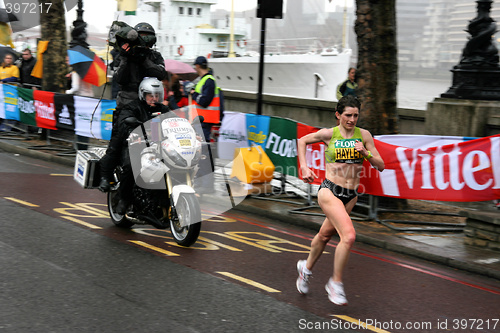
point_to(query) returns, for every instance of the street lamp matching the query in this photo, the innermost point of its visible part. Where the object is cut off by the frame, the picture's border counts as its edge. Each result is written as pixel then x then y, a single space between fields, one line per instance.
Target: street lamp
pixel 79 33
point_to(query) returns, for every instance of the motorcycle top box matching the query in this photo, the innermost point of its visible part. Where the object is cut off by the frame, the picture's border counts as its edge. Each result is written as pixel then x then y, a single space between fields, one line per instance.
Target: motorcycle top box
pixel 86 171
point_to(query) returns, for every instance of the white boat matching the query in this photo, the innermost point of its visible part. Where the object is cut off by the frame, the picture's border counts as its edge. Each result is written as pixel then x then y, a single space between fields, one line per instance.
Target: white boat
pixel 183 33
pixel 308 75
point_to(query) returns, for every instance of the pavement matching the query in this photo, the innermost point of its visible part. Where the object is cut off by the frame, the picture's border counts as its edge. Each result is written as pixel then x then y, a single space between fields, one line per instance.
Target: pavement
pixel 445 247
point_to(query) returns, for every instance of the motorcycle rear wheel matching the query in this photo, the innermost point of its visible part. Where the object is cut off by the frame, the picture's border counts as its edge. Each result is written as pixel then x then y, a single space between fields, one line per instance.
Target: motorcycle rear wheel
pixel 188 214
pixel 118 219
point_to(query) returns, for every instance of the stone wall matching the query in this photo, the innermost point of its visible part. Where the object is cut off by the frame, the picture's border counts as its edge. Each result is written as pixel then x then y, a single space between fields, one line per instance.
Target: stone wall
pixel 461 117
pixel 442 117
pixel 482 229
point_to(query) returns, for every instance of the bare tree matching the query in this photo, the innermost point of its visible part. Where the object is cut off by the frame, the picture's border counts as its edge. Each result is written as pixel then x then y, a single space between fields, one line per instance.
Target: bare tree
pixel 53 27
pixel 377 67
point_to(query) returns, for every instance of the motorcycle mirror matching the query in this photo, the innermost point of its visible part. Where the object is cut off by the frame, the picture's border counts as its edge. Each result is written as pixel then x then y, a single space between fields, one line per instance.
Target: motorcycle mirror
pixel 132 121
pixel 198 120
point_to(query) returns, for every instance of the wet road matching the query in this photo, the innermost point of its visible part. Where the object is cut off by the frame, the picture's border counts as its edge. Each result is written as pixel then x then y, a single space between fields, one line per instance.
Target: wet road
pixel 70 268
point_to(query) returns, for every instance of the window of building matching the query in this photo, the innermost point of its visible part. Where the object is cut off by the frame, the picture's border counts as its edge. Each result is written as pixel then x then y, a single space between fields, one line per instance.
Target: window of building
pixel 198 11
pixel 181 10
pixel 190 11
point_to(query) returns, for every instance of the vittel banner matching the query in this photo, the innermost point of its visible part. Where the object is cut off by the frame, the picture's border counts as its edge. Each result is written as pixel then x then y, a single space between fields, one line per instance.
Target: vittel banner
pixel 315 153
pixel 466 171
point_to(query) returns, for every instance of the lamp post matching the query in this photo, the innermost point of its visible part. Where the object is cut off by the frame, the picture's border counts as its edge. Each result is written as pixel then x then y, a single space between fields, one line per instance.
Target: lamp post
pixel 79 33
pixel 477 76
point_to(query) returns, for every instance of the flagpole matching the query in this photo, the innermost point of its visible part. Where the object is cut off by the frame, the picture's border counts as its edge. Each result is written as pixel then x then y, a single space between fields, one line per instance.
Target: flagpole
pixel 231 34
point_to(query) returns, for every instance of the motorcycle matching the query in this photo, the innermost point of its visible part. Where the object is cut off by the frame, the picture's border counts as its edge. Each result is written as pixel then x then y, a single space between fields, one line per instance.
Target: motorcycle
pixel 164 153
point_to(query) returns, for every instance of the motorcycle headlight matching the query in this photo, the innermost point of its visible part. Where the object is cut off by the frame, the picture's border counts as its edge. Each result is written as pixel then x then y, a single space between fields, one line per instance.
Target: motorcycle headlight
pixel 175 157
pixel 197 155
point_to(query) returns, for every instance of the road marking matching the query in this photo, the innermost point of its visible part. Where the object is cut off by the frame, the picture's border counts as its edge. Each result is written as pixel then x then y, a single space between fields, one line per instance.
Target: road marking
pixel 361 324
pixel 74 219
pixel 61 174
pixel 154 248
pixel 21 202
pixel 82 207
pixel 380 257
pixel 250 282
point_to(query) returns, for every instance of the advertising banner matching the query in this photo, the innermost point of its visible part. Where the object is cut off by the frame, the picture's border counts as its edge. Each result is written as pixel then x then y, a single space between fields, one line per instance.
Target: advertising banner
pixel 45 109
pixel 465 171
pixel 26 105
pixel 232 134
pixel 315 153
pixel 65 111
pixel 107 108
pixel 2 106
pixel 93 119
pixel 281 145
pixel 10 100
pixel 257 129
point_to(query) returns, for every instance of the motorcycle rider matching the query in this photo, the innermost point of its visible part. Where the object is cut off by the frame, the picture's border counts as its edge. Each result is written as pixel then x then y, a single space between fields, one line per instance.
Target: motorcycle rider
pixel 151 95
pixel 137 61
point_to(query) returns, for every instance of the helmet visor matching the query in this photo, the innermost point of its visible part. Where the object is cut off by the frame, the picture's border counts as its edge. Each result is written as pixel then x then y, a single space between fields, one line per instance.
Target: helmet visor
pixel 154 97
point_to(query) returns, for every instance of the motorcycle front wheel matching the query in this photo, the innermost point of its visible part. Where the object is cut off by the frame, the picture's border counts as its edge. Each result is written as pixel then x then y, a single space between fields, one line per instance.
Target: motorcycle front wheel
pixel 118 219
pixel 185 227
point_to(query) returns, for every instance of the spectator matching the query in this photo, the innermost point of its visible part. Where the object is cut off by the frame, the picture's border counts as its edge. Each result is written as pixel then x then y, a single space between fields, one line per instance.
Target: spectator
pixel 78 86
pixel 205 102
pixel 349 86
pixel 177 100
pixel 8 71
pixel 25 68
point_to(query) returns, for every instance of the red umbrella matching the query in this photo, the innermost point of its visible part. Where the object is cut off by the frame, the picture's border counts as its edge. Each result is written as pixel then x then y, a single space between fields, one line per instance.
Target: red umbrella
pixel 88 65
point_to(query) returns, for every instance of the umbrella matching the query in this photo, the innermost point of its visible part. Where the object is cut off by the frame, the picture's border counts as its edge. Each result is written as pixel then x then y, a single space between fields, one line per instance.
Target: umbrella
pixel 182 70
pixel 178 67
pixel 88 65
pixel 7 17
pixel 7 50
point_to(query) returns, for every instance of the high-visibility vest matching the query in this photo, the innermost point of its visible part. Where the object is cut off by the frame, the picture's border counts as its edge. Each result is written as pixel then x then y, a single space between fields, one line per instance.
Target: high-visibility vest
pixel 212 112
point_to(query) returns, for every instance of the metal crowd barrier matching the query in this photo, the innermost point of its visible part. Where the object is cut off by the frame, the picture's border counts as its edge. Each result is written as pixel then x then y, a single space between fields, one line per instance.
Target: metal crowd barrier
pixel 366 203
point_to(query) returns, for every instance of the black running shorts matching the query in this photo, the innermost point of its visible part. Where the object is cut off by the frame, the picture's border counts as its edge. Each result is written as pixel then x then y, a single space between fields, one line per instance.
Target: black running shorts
pixel 344 194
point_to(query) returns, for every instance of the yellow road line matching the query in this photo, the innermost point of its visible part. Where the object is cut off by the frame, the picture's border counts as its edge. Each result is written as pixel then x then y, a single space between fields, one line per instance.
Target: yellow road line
pixel 250 282
pixel 74 219
pixel 158 249
pixel 21 202
pixel 61 174
pixel 358 322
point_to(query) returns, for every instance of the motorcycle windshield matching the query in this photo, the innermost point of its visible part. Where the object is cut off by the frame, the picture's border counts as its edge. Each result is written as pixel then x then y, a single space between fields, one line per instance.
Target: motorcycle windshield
pixel 173 145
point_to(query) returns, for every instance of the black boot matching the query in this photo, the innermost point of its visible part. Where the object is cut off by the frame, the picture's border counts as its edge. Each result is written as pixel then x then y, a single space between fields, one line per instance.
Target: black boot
pixel 105 185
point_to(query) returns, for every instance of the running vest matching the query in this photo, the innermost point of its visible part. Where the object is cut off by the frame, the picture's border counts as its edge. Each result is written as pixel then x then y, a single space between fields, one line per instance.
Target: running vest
pixel 342 150
pixel 212 112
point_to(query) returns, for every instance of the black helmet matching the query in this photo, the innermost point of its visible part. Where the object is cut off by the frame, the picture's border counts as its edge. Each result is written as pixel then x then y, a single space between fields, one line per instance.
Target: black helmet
pixel 147 33
pixel 144 28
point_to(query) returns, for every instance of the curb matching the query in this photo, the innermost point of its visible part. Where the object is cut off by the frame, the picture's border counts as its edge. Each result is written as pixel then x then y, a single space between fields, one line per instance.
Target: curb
pixel 36 154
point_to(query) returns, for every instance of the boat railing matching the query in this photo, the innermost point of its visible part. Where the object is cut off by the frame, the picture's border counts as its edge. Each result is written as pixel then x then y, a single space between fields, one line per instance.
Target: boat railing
pixel 289 45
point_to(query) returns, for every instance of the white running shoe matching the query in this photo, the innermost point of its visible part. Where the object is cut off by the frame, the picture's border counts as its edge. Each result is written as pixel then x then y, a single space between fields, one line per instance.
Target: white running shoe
pixel 303 279
pixel 336 292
